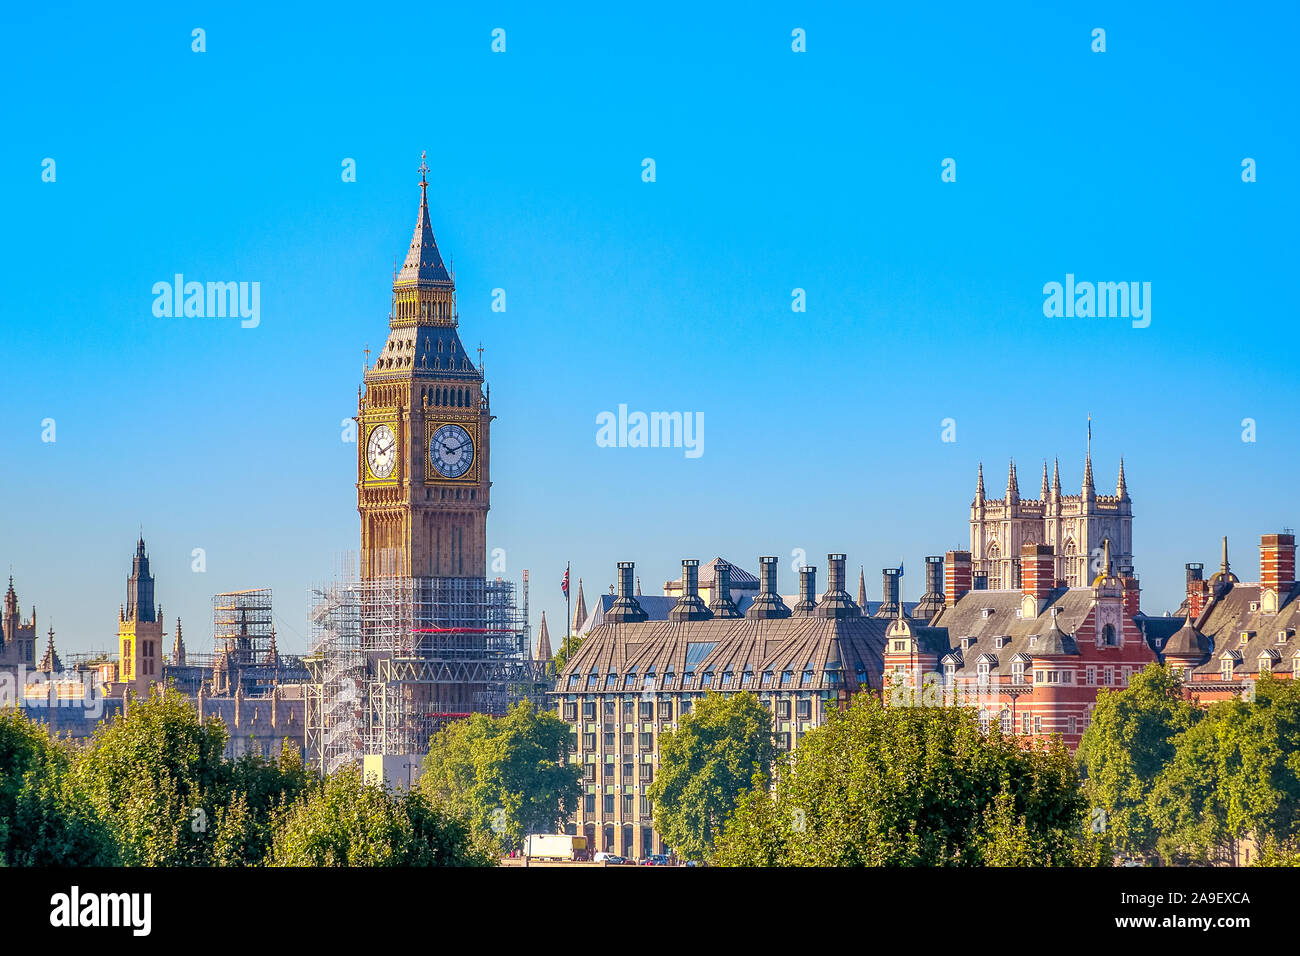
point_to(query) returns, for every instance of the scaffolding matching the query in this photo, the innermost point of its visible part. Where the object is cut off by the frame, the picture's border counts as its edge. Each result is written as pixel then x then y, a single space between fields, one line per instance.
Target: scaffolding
pixel 244 647
pixel 393 659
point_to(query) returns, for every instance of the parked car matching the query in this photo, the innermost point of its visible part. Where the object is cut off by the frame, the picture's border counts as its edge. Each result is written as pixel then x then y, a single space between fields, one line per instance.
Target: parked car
pixel 656 859
pixel 610 859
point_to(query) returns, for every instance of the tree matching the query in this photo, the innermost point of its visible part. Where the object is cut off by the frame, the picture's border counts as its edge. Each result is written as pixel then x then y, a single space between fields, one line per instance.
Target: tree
pixel 158 777
pixel 43 821
pixel 508 775
pixel 344 821
pixel 568 647
pixel 1234 775
pixel 1129 741
pixel 717 753
pixel 914 786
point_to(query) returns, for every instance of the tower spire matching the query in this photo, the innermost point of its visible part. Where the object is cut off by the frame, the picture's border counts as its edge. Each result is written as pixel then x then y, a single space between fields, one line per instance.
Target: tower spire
pixel 862 588
pixel 1043 493
pixel 1056 478
pixel 422 271
pixel 979 483
pixel 544 652
pixel 1223 565
pixel 1089 488
pixel 1121 487
pixel 1013 486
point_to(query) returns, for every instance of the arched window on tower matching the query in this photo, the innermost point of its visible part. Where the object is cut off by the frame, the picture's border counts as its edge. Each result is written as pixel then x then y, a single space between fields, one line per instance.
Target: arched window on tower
pixel 993 565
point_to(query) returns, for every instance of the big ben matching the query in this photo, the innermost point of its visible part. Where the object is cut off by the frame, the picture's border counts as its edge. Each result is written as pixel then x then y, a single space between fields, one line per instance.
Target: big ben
pixel 423 487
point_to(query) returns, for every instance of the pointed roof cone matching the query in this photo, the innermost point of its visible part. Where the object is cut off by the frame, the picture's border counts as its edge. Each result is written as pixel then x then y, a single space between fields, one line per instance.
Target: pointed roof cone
pixel 1121 486
pixel 1056 478
pixel 544 652
pixel 1043 493
pixel 1089 487
pixel 579 611
pixel 178 647
pixel 50 663
pixel 423 261
pixel 979 483
pixel 638 585
pixel 862 589
pixel 1187 643
pixel 1013 486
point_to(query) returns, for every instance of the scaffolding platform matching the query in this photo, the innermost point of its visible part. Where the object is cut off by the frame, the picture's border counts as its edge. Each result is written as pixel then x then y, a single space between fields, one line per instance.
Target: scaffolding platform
pixel 394 659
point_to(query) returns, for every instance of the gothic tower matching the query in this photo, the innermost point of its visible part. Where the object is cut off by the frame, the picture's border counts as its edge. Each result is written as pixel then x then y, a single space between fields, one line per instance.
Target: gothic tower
pixel 423 483
pixel 139 629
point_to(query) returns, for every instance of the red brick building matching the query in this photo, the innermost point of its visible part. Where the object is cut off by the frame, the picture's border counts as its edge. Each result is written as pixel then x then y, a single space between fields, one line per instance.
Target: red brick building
pixel 1032 659
pixel 1237 631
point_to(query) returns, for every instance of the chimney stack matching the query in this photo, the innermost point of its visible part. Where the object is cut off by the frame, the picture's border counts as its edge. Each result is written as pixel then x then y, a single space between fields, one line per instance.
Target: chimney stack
pixel 689 606
pixel 1198 589
pixel 1132 591
pixel 807 591
pixel 1038 573
pixel 626 609
pixel 932 601
pixel 957 576
pixel 889 593
pixel 1276 569
pixel 836 602
pixel 767 603
pixel 722 605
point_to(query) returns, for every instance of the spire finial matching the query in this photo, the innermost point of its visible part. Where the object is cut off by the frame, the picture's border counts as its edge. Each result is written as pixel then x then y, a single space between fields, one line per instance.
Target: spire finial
pixel 424 174
pixel 1224 565
pixel 1121 486
pixel 979 483
pixel 1043 493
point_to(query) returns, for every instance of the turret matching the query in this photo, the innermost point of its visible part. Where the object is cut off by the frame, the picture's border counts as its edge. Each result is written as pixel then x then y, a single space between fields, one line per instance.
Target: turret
pixel 767 603
pixel 626 609
pixel 722 605
pixel 836 603
pixel 690 606
pixel 807 592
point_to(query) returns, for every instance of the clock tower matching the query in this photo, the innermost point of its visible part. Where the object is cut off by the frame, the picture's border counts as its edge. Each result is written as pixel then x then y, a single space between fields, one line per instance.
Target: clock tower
pixel 423 487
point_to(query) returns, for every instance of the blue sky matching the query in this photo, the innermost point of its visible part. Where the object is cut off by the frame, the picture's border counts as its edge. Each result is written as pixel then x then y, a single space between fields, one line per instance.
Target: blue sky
pixel 775 170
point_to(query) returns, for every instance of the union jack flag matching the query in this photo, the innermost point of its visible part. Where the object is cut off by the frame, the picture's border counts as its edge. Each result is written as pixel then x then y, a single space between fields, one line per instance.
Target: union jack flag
pixel 564 585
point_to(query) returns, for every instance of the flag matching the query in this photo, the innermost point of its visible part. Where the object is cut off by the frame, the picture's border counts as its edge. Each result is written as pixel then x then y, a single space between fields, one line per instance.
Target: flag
pixel 564 585
pixel 900 567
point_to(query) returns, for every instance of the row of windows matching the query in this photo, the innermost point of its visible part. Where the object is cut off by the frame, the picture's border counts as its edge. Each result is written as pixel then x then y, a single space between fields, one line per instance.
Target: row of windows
pixel 1028 723
pixel 648 682
pixel 645 710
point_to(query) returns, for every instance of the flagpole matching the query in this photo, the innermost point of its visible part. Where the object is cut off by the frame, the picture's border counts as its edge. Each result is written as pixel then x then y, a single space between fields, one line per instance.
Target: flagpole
pixel 568 614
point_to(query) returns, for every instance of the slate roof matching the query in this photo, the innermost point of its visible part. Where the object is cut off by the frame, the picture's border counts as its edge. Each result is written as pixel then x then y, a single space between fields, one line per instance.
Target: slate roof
pixel 434 351
pixel 966 619
pixel 423 260
pixel 1229 615
pixel 623 657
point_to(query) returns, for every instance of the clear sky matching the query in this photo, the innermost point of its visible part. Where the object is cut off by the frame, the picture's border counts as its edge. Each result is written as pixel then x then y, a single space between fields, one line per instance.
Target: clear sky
pixel 775 170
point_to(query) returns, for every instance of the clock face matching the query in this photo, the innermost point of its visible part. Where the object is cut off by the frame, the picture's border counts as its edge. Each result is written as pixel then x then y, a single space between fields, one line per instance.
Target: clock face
pixel 451 451
pixel 381 451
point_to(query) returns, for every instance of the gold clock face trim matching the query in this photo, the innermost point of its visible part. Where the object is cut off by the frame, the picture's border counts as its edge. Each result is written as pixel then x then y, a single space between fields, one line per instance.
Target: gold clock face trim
pixel 381 451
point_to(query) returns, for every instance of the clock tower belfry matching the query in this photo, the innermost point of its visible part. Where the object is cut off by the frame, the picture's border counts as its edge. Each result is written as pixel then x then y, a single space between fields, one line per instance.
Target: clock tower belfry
pixel 423 419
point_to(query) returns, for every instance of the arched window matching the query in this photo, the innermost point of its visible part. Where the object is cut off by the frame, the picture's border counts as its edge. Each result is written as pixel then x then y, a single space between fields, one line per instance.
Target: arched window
pixel 993 565
pixel 1108 636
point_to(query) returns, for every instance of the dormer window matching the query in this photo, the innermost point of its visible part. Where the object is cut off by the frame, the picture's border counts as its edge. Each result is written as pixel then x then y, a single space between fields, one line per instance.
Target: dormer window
pixel 1246 636
pixel 965 643
pixel 1033 640
pixel 1225 668
pixel 1254 606
pixel 1265 664
pixel 1000 642
pixel 1285 635
pixel 987 612
pixel 982 672
pixel 950 672
pixel 1018 672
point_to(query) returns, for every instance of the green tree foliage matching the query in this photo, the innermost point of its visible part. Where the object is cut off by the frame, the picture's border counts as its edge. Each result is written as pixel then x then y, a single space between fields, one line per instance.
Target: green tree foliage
pixel 568 647
pixel 915 786
pixel 345 821
pixel 509 776
pixel 1129 741
pixel 706 765
pixel 1235 775
pixel 158 777
pixel 43 820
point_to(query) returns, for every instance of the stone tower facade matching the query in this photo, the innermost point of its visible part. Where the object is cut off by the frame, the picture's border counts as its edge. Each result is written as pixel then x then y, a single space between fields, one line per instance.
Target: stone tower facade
pixel 139 630
pixel 423 487
pixel 17 637
pixel 1076 527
